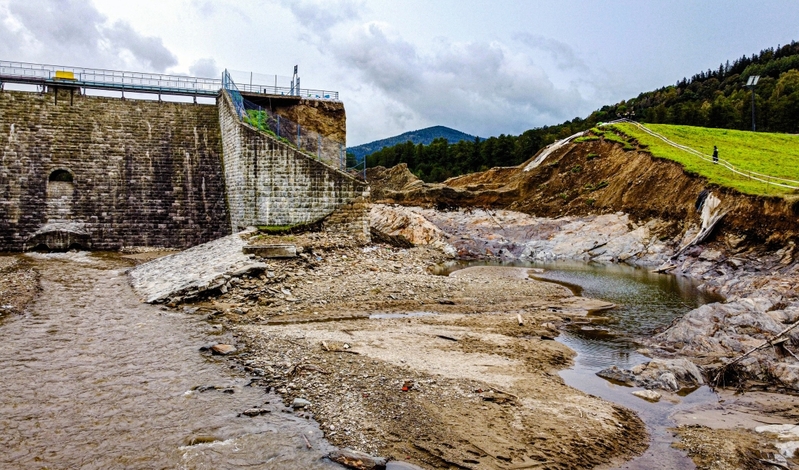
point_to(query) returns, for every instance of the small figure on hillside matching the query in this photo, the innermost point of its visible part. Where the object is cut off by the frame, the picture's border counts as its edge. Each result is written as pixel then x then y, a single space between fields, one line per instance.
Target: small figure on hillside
pixel 715 154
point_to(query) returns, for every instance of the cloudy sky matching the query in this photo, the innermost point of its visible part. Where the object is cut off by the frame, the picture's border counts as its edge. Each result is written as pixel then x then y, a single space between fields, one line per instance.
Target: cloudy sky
pixel 482 67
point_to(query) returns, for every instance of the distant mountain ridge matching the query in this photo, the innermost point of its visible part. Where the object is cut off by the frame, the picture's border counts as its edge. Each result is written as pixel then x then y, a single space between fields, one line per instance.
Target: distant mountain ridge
pixel 422 136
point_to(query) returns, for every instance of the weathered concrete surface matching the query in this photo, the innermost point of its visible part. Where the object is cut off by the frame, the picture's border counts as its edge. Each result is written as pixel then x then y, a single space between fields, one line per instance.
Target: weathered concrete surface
pixel 187 274
pixel 268 182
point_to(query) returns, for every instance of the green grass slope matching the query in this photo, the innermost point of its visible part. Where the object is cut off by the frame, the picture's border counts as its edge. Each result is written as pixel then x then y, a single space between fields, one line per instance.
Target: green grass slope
pixel 776 155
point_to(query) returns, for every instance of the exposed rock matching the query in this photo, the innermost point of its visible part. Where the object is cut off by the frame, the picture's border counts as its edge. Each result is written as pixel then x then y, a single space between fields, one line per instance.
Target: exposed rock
pixel 649 395
pixel 223 349
pixel 478 233
pixel 786 374
pixel 398 224
pixel 725 329
pixel 255 412
pixel 357 460
pixel 300 403
pixel 787 437
pixel 666 374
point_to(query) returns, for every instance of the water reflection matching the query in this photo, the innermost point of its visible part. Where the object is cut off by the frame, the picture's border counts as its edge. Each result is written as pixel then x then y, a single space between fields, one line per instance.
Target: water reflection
pixel 646 303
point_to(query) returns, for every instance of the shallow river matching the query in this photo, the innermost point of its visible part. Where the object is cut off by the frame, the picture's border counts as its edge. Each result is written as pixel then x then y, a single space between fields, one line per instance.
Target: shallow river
pixel 93 378
pixel 646 302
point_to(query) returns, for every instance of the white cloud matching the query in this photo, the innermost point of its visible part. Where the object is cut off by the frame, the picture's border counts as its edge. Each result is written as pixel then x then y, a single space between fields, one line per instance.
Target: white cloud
pixel 477 87
pixel 205 68
pixel 73 32
pixel 320 17
pixel 563 54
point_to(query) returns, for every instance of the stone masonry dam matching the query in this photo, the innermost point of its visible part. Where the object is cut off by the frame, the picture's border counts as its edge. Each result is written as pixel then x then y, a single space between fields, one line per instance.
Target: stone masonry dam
pixel 112 173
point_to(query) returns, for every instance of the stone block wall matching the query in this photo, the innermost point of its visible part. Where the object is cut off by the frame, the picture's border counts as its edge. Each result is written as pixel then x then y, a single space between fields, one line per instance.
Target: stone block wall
pixel 272 183
pixel 144 173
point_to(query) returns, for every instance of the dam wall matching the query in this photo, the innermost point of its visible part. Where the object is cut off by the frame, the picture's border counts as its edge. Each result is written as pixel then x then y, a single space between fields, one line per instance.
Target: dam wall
pixel 107 173
pixel 271 183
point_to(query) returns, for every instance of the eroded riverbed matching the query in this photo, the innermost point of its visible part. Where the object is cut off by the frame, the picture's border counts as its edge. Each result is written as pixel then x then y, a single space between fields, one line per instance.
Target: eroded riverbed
pixel 93 378
pixel 645 302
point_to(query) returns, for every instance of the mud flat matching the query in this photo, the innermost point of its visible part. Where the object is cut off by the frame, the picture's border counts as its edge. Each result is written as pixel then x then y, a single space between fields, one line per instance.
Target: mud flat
pixel 442 372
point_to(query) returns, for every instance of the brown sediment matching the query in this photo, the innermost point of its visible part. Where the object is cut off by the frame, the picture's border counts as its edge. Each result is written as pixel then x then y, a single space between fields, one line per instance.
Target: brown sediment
pixel 19 285
pixel 445 377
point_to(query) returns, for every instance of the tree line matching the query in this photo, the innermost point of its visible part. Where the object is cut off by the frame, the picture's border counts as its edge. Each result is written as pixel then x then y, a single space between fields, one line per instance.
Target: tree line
pixel 714 98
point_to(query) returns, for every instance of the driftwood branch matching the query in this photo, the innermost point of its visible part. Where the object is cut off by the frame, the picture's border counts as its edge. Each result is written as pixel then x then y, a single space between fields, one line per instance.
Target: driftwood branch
pixel 765 344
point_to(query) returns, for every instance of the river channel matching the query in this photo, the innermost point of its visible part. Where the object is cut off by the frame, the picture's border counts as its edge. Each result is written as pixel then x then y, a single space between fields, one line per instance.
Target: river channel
pixel 93 378
pixel 646 303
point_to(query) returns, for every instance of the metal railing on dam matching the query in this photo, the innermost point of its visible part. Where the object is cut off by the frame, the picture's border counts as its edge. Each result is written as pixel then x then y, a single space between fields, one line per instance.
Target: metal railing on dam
pixel 139 82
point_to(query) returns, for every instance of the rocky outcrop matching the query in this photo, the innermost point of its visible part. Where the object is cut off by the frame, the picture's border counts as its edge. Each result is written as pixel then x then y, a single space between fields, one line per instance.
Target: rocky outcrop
pixel 190 273
pixel 670 375
pixel 510 235
pixel 761 288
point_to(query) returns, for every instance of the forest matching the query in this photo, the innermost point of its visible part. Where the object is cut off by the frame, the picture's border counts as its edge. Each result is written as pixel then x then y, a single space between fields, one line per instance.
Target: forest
pixel 716 98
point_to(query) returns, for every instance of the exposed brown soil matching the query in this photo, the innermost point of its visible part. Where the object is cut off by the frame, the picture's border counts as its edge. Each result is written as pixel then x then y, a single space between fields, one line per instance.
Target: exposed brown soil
pixel 592 178
pixel 19 285
pixel 721 436
pixel 447 378
pixel 725 449
pixel 323 117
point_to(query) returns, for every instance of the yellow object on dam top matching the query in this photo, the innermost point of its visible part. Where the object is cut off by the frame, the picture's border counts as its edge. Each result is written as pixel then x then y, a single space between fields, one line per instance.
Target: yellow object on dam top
pixel 64 75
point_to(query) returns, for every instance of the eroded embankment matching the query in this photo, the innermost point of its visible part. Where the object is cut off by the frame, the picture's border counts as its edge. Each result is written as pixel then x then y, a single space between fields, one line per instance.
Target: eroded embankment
pixel 593 178
pixel 594 201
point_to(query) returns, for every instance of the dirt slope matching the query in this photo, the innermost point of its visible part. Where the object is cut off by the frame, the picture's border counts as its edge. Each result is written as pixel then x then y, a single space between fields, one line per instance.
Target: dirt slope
pixel 593 178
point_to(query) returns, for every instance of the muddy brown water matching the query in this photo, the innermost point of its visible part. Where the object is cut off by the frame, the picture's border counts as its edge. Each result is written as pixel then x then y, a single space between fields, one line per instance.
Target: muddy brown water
pixel 93 378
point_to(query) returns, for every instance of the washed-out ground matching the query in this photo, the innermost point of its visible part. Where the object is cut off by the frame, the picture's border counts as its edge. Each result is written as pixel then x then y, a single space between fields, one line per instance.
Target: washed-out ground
pixel 443 372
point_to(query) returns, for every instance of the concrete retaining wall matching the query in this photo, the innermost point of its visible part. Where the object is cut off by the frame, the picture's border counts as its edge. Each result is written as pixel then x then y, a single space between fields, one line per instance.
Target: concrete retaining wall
pixel 272 183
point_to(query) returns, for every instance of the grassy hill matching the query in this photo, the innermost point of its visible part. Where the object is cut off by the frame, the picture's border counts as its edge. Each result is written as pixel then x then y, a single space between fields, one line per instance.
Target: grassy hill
pixel 716 98
pixel 422 136
pixel 776 155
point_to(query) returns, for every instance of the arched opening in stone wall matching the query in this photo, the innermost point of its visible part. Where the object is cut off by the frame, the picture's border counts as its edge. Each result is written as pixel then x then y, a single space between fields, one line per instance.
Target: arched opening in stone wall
pixel 61 175
pixel 60 193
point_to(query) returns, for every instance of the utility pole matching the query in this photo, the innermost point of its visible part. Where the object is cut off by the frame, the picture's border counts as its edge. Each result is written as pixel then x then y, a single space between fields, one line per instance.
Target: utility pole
pixel 753 79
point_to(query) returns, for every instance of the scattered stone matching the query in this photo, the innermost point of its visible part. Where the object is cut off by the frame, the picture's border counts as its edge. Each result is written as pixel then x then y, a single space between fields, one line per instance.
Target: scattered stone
pixel 223 349
pixel 300 403
pixel 649 395
pixel 357 460
pixel 255 412
pixel 271 251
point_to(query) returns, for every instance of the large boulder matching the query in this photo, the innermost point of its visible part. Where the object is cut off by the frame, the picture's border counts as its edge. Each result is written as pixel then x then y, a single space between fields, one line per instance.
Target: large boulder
pixel 666 374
